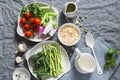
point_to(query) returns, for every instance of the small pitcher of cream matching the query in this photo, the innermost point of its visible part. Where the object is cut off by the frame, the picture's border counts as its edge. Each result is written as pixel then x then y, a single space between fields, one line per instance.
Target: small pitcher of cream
pixel 84 62
pixel 70 9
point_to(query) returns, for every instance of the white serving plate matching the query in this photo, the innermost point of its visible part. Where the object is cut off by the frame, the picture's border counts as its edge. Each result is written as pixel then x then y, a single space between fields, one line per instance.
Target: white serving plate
pixel 38 48
pixel 37 37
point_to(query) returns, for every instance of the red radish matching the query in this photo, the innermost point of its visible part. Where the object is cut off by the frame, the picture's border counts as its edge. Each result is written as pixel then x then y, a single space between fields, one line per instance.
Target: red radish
pixel 41 30
pixel 52 32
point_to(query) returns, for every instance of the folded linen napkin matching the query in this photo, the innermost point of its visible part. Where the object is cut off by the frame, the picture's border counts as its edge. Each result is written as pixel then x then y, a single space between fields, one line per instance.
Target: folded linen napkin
pixel 101 47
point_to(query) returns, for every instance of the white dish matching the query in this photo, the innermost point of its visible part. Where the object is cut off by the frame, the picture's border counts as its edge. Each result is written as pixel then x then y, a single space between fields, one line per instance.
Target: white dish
pixel 36 38
pixel 37 48
pixel 21 71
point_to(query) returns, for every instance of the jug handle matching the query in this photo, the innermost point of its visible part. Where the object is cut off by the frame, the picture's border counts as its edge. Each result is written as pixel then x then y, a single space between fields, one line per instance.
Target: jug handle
pixel 78 52
pixel 76 1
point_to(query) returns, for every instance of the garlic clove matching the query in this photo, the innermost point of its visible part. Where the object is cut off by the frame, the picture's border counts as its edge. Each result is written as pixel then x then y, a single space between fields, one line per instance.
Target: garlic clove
pixel 18 59
pixel 22 47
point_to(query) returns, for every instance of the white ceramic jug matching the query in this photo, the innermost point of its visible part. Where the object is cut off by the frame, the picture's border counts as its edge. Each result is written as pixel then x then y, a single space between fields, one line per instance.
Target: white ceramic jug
pixel 70 6
pixel 85 62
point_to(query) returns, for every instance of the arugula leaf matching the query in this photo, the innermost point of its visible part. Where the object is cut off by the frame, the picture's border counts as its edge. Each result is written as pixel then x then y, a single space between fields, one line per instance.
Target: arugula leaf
pixel 110 58
pixel 24 10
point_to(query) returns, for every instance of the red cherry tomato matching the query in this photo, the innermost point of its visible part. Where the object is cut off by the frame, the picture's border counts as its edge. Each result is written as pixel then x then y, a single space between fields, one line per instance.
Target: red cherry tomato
pixel 28 15
pixel 28 34
pixel 32 20
pixel 35 29
pixel 37 21
pixel 23 21
pixel 26 27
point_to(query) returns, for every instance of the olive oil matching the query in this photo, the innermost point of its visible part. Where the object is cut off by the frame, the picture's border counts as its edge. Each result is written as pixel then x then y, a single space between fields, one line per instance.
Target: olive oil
pixel 70 7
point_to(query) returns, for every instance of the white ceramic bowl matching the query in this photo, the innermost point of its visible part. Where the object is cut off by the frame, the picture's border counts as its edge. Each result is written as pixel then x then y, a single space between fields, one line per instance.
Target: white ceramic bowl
pixel 74 26
pixel 22 71
pixel 36 37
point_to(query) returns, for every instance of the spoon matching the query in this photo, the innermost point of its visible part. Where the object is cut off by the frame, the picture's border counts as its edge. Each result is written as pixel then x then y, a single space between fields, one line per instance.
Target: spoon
pixel 90 42
pixel 76 1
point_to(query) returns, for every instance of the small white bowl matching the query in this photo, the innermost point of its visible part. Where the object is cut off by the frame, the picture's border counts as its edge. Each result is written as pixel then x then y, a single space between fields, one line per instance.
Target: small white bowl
pixel 74 26
pixel 21 71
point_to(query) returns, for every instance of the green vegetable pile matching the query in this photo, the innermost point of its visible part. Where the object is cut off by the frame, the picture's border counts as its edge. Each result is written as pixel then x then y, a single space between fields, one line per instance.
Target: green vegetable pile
pixel 47 63
pixel 110 58
pixel 44 12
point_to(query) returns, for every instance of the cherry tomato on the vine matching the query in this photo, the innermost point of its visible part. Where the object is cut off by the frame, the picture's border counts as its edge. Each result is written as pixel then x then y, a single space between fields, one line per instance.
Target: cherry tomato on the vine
pixel 35 29
pixel 31 20
pixel 37 21
pixel 26 27
pixel 28 34
pixel 28 15
pixel 23 21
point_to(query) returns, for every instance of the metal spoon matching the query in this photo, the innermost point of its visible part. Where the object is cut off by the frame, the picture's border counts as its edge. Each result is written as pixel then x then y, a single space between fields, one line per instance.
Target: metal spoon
pixel 90 42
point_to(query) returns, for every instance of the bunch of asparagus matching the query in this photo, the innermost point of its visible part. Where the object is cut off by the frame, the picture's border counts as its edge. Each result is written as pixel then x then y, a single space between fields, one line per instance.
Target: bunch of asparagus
pixel 47 63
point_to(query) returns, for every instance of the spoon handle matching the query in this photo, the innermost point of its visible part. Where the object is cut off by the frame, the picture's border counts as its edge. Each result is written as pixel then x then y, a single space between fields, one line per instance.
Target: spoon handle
pixel 76 1
pixel 99 69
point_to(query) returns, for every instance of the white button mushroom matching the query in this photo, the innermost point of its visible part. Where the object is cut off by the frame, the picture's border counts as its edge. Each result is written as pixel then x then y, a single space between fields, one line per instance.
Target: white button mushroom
pixel 22 47
pixel 18 59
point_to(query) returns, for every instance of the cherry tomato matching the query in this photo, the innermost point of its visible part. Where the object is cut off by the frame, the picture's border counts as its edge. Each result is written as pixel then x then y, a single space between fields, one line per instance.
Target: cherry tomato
pixel 37 21
pixel 35 29
pixel 26 27
pixel 23 21
pixel 28 33
pixel 28 15
pixel 32 20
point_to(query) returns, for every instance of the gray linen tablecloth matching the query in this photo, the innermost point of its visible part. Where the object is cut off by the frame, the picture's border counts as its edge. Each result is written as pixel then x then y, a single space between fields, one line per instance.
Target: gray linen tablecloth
pixel 103 20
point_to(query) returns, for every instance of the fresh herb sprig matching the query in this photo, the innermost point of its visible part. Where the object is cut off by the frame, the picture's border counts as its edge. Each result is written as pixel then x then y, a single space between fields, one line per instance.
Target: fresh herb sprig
pixel 110 58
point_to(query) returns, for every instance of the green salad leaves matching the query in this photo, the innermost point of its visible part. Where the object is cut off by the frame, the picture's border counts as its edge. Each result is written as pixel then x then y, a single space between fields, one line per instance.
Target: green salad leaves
pixel 44 12
pixel 47 63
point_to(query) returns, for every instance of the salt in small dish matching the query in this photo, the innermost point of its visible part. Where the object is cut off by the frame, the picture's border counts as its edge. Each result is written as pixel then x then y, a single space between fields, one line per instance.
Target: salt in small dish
pixel 21 74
